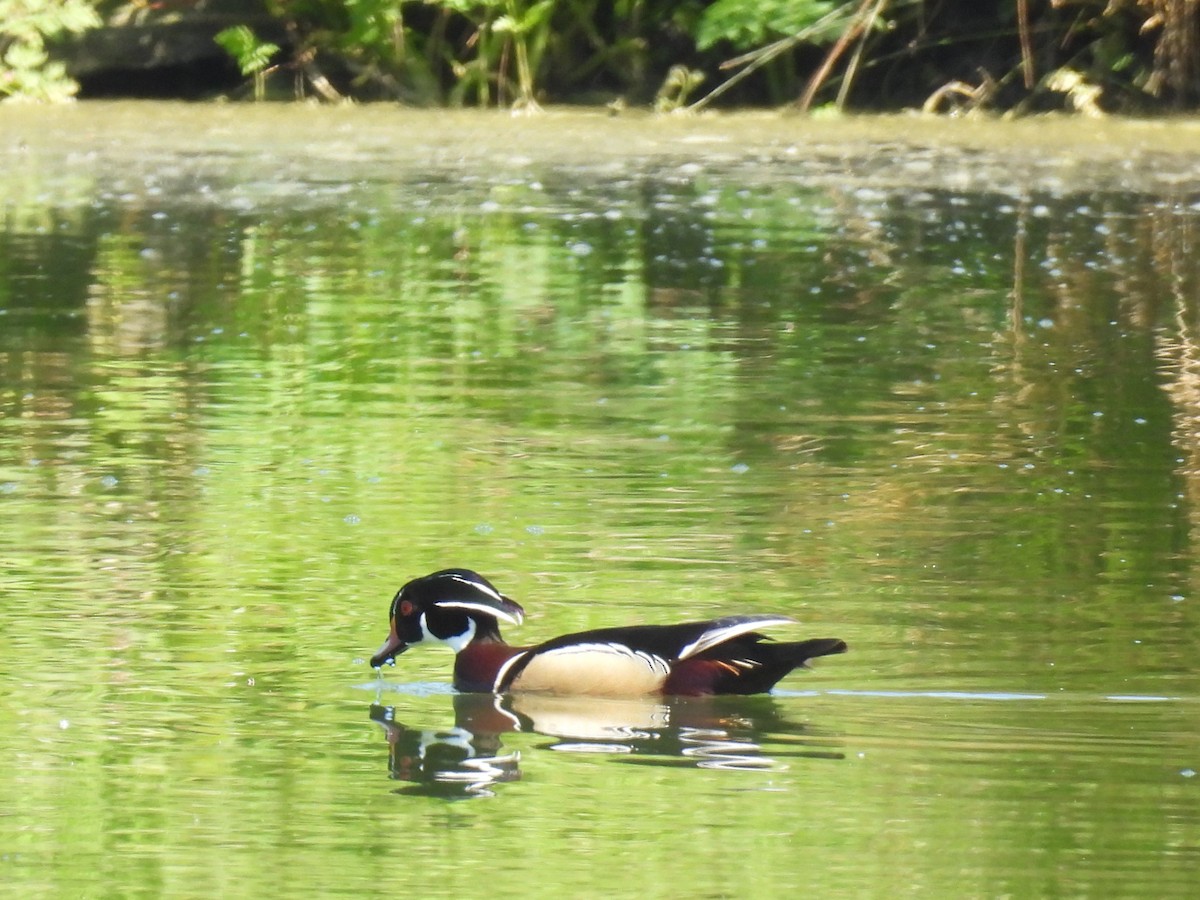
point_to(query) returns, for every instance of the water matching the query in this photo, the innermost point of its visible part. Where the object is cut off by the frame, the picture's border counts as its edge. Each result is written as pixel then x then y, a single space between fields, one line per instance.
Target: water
pixel 258 368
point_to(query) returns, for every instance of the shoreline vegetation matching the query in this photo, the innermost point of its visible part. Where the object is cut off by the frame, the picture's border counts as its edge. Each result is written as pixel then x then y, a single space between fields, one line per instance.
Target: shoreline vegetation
pixel 1091 57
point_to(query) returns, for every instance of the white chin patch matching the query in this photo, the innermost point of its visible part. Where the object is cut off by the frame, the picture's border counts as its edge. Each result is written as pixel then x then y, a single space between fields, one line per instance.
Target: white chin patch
pixel 455 641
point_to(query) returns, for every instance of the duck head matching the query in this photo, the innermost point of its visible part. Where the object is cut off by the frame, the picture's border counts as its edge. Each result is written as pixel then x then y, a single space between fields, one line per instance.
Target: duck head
pixel 451 607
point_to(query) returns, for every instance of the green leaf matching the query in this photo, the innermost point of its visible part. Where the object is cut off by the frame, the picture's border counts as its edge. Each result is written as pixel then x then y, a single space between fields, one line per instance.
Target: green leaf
pixel 252 55
pixel 747 25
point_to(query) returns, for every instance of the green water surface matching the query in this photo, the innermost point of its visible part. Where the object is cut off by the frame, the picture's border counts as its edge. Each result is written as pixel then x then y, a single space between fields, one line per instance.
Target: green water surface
pixel 931 389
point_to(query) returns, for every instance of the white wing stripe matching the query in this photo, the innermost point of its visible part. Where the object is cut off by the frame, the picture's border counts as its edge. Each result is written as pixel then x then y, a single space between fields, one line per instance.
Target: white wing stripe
pixel 723 633
pixel 652 662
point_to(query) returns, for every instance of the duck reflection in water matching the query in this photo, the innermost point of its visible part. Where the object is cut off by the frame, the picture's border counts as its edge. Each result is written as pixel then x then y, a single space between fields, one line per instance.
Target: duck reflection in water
pixel 469 758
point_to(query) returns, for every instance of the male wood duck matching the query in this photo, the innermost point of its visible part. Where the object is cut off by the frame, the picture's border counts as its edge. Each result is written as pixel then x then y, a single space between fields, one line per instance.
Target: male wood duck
pixel 463 610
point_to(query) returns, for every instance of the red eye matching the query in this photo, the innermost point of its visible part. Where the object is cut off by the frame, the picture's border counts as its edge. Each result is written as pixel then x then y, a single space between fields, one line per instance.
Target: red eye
pixel 406 608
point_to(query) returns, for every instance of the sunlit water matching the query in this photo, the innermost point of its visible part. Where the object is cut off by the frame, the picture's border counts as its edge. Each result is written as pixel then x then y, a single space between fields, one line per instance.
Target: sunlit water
pixel 944 408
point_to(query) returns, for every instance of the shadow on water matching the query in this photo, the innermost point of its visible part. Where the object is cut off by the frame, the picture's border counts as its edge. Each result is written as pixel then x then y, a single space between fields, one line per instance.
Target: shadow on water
pixel 470 757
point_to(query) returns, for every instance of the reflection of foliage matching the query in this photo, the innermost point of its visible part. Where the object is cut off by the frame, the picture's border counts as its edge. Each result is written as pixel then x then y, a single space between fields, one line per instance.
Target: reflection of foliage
pixel 700 374
pixel 229 427
pixel 26 70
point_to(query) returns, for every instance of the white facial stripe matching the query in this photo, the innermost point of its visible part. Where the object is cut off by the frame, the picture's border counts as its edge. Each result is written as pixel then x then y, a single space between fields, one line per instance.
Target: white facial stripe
pixel 723 633
pixel 483 608
pixel 482 588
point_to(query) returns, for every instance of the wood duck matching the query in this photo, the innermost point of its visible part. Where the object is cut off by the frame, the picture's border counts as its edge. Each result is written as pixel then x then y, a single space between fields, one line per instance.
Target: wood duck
pixel 463 610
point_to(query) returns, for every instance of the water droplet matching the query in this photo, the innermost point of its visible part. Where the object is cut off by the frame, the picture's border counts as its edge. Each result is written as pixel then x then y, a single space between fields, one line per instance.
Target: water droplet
pixel 483 528
pixel 535 529
pixel 739 468
pixel 352 519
